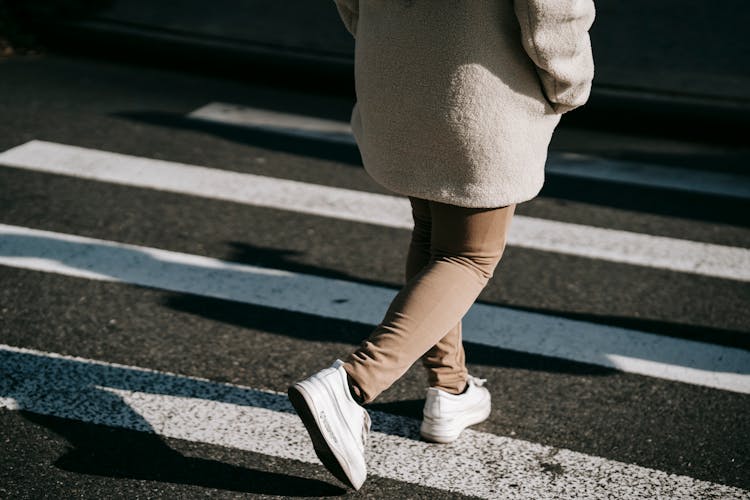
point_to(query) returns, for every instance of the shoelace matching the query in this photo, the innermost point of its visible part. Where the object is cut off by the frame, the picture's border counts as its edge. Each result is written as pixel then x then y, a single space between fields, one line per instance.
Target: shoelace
pixel 479 382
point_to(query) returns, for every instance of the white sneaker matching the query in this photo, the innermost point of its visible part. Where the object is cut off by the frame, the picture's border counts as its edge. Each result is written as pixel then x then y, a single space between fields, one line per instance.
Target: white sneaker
pixel 446 415
pixel 337 425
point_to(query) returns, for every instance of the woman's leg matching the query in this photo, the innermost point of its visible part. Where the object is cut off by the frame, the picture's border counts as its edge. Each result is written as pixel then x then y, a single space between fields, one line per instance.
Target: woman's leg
pixel 466 245
pixel 445 361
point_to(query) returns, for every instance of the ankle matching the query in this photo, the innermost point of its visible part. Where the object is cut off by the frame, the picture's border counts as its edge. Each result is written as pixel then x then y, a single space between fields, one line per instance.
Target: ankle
pixel 355 391
pixel 456 389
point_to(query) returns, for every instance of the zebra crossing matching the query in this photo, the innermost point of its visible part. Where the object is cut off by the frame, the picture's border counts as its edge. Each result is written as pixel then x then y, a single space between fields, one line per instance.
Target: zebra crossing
pixel 574 239
pixel 483 465
pixel 259 420
pixel 627 350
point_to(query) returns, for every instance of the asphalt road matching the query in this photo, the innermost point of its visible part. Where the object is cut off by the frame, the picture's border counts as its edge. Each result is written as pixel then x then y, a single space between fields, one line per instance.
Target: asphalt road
pixel 90 424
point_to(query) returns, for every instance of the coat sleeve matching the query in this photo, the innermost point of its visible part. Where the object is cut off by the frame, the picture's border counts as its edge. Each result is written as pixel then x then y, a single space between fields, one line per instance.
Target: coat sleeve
pixel 349 12
pixel 555 36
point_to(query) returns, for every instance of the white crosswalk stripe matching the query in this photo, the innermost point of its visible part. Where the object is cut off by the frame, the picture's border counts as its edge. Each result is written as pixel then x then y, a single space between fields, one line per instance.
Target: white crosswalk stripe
pixel 574 239
pixel 200 410
pixel 626 350
pixel 275 121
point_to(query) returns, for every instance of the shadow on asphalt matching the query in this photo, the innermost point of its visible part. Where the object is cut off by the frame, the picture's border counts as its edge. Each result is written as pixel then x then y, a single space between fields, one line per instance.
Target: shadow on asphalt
pixel 268 139
pixel 126 454
pixel 131 265
pixel 653 200
pixel 411 408
pixel 107 437
pixel 284 259
pixel 318 329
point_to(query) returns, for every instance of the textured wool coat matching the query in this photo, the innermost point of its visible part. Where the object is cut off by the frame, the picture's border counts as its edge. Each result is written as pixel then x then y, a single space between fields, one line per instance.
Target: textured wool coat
pixel 457 100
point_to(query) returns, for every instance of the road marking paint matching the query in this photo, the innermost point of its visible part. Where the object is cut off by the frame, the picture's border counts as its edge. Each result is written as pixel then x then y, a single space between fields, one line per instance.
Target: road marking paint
pixel 275 121
pixel 568 164
pixel 552 236
pixel 627 350
pixel 200 410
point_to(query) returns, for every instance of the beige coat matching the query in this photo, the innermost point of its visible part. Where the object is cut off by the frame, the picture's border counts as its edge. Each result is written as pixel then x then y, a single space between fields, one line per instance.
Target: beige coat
pixel 457 100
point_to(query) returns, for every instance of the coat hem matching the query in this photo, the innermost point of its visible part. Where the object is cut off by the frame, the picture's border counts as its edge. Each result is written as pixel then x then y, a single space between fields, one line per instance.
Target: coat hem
pixel 472 202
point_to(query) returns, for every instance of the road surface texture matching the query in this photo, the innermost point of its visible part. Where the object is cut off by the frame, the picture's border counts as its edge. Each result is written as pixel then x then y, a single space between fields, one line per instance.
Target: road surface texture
pixel 176 249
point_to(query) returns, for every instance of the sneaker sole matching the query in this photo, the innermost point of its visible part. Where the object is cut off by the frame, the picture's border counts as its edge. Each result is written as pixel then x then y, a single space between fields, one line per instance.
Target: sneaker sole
pixel 304 407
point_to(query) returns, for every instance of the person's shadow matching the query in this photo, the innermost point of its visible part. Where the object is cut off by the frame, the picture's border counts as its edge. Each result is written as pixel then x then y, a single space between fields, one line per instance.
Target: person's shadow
pixel 107 437
pixel 122 453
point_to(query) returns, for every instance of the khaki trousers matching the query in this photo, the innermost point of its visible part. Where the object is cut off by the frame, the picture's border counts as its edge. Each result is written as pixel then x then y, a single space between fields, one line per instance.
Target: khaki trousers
pixel 452 255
